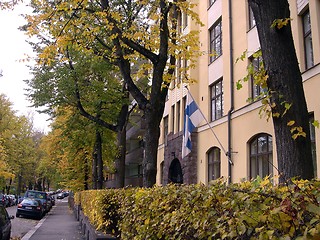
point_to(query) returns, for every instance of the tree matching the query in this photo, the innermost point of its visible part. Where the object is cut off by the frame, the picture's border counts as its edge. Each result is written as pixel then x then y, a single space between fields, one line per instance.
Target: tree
pixel 69 148
pixel 284 81
pixel 126 33
pixel 8 4
pixel 17 148
pixel 92 86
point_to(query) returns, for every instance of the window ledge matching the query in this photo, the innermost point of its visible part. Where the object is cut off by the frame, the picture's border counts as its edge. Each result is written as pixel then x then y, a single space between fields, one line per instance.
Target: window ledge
pixel 311 72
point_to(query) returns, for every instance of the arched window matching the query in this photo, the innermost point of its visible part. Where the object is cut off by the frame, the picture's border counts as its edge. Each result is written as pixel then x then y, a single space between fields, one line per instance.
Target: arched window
pixel 261 156
pixel 214 163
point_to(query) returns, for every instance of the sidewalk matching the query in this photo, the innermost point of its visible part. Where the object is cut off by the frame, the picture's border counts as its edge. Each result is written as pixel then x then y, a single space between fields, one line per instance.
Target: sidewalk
pixel 58 224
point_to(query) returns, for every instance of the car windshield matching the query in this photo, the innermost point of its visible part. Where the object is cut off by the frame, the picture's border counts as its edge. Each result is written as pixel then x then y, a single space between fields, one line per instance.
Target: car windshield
pixel 29 201
pixel 36 195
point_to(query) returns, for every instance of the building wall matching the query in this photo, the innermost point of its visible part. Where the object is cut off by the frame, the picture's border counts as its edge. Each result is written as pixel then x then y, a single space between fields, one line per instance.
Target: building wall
pixel 245 120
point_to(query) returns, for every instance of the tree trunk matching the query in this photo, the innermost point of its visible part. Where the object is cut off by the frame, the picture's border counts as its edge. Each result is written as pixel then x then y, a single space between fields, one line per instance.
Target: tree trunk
pixel 86 173
pixel 120 158
pixel 9 186
pixel 39 184
pixel 43 184
pixel 151 142
pixel 19 184
pixel 99 160
pixel 94 168
pixel 285 84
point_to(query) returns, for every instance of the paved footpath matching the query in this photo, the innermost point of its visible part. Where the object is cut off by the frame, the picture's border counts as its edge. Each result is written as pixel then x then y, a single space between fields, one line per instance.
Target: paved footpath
pixel 58 224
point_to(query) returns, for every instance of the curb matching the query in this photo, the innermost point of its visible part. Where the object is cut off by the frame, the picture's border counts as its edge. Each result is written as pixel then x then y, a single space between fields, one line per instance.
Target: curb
pixel 88 231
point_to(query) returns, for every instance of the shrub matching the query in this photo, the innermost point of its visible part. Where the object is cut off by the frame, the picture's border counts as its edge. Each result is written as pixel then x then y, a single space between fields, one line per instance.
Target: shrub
pixel 249 210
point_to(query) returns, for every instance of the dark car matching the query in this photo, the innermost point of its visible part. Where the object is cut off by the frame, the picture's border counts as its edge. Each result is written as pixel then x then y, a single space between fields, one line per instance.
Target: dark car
pixel 39 195
pixel 30 208
pixel 5 223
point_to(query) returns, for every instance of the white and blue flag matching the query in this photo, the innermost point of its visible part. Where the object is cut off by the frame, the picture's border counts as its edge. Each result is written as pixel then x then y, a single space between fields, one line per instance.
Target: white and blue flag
pixel 192 118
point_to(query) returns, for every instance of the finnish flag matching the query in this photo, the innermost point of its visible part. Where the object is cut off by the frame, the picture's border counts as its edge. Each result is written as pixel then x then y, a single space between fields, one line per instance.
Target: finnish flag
pixel 192 118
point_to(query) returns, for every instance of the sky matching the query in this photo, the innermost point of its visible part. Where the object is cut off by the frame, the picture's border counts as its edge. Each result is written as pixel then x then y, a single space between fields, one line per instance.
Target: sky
pixel 14 48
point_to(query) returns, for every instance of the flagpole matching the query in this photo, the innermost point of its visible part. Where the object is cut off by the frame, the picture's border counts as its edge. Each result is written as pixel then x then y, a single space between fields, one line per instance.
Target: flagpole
pixel 223 149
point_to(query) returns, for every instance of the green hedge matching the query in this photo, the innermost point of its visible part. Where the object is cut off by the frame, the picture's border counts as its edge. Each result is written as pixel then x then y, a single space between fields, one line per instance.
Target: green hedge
pixel 248 210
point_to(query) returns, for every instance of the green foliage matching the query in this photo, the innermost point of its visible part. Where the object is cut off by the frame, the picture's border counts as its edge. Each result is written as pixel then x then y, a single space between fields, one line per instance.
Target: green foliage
pixel 260 77
pixel 316 123
pixel 249 210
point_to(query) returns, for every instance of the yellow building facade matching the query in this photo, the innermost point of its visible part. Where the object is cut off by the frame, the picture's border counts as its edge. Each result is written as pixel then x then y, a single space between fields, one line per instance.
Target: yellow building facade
pixel 235 142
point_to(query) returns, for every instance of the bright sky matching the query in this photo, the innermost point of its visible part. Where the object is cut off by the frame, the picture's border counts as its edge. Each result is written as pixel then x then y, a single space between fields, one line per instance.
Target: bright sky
pixel 13 48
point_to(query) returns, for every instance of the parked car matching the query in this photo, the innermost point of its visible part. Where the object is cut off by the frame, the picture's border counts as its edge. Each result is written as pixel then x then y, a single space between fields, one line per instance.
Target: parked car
pixel 30 207
pixel 13 199
pixel 60 196
pixel 49 202
pixel 39 195
pixel 53 200
pixel 20 199
pixel 4 200
pixel 5 223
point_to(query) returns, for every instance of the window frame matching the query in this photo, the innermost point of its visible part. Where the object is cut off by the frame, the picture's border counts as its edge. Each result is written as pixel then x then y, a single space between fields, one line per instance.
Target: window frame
pixel 173 118
pixel 256 89
pixel 313 143
pixel 257 159
pixel 252 21
pixel 215 40
pixel 165 129
pixel 307 38
pixel 214 164
pixel 216 99
pixel 178 109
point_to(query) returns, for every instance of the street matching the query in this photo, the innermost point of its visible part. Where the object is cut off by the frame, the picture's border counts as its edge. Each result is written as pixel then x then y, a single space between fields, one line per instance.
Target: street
pixel 20 226
pixel 58 224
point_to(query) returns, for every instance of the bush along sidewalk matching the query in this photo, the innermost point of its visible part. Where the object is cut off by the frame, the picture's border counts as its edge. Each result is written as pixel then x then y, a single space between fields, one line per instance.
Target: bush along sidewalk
pixel 248 210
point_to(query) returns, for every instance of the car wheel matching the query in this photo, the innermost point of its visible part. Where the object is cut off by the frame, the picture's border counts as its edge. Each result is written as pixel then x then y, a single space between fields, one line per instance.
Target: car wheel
pixel 17 215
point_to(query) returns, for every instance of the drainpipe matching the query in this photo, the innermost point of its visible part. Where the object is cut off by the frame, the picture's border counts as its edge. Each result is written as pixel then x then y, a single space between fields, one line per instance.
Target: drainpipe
pixel 230 163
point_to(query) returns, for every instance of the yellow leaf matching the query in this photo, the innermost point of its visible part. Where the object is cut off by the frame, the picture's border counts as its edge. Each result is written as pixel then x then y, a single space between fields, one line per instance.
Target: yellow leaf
pixel 291 123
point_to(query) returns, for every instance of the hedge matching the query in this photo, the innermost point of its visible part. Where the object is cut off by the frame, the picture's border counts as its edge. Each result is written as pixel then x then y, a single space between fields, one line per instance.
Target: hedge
pixel 248 210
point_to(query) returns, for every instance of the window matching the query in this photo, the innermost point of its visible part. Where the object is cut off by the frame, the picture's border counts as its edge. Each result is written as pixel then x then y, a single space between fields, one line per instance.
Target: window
pixel 165 129
pixel 307 40
pixel 179 21
pixel 313 143
pixel 134 170
pixel 110 177
pixel 173 118
pixel 185 20
pixel 261 156
pixel 178 71
pixel 185 67
pixel 214 164
pixel 252 21
pixel 256 65
pixel 216 100
pixel 178 116
pixel 184 103
pixel 215 41
pixel 161 172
